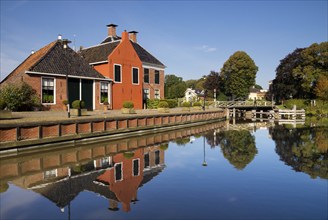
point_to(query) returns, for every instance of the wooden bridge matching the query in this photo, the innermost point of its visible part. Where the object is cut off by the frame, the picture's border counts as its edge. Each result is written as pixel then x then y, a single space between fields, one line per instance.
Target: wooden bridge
pixel 245 104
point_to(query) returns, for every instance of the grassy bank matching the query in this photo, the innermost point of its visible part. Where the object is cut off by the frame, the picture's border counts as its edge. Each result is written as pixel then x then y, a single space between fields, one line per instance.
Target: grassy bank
pixel 320 109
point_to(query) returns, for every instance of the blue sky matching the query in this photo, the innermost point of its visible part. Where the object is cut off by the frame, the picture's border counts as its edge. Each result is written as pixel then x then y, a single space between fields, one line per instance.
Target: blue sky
pixel 190 37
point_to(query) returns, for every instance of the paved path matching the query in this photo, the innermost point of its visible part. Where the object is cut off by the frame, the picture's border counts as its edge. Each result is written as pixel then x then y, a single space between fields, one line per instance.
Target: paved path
pixel 21 117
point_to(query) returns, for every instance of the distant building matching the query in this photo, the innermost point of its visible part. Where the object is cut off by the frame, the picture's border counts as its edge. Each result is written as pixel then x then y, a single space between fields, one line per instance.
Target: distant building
pixel 192 95
pixel 137 75
pixel 257 94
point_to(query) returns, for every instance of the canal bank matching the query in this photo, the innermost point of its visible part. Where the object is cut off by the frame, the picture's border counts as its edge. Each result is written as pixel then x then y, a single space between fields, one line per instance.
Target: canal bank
pixel 23 133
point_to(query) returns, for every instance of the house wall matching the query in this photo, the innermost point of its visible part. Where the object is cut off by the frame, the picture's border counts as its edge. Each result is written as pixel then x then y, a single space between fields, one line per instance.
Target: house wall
pixel 60 83
pixel 125 55
pixel 152 86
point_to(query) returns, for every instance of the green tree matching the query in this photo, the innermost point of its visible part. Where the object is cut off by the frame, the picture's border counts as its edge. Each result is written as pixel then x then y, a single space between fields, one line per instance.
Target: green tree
pixel 191 83
pixel 314 64
pixel 238 74
pixel 285 84
pixel 174 87
pixel 321 89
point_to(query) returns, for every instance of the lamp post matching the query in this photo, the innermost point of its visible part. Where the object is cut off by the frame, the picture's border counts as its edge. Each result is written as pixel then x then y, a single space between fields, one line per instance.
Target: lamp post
pixel 204 164
pixel 205 93
pixel 65 45
pixel 214 98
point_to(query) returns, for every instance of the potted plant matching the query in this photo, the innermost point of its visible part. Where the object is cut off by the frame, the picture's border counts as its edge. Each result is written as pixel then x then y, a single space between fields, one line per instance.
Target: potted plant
pixel 186 106
pixel 78 108
pixel 163 107
pixel 197 106
pixel 105 103
pixel 128 108
pixel 65 103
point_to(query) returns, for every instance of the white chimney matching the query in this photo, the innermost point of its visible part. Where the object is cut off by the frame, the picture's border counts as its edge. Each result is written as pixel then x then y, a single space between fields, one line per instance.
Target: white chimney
pixel 59 37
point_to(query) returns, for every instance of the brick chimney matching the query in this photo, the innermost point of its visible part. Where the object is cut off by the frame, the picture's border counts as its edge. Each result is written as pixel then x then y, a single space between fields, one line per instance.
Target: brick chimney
pixel 111 30
pixel 125 35
pixel 133 36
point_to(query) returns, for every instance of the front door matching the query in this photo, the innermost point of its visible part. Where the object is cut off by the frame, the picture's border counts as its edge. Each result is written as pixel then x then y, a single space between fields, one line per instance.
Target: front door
pixel 87 93
pixel 74 90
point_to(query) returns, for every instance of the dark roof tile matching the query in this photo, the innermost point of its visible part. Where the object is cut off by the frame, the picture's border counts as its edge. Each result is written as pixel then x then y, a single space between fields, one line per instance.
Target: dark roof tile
pixel 98 53
pixel 145 56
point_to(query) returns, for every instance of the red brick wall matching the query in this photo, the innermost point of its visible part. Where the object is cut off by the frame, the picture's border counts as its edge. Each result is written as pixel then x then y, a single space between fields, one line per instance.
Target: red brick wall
pixel 152 86
pixel 29 133
pixel 8 134
pixel 50 131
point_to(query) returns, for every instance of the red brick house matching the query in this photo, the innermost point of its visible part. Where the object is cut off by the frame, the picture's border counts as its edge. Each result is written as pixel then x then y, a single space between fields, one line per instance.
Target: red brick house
pixel 137 75
pixel 46 69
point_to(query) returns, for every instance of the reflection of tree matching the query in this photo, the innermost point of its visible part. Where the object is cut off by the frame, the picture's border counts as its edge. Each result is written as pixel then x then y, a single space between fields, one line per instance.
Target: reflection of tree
pixel 238 147
pixel 182 141
pixel 305 149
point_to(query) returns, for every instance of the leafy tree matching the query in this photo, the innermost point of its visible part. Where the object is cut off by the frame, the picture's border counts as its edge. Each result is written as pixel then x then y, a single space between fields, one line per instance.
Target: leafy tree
pixel 238 74
pixel 174 87
pixel 258 86
pixel 321 90
pixel 314 64
pixel 298 73
pixel 286 85
pixel 191 83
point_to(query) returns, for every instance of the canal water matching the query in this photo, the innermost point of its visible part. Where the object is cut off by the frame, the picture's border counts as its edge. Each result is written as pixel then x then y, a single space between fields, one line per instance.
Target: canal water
pixel 248 170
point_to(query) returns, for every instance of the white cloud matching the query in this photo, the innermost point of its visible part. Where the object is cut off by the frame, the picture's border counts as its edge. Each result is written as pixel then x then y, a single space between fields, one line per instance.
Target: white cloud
pixel 206 48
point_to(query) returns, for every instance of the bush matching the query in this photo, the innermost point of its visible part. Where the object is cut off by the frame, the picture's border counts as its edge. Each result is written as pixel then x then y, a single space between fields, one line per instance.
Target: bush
pixel 162 104
pixel 65 102
pixel 172 102
pixel 197 104
pixel 152 103
pixel 19 97
pixel 300 103
pixel 78 104
pixel 186 104
pixel 128 104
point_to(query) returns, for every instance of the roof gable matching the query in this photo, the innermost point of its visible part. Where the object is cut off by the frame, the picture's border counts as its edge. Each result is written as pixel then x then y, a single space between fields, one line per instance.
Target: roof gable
pixel 57 60
pixel 98 53
pixel 145 56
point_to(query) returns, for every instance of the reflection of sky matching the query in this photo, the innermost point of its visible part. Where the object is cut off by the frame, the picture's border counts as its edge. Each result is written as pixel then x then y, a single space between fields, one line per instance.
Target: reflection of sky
pixel 265 188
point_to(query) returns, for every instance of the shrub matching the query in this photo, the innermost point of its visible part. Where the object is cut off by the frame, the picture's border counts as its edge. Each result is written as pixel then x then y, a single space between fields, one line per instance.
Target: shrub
pixel 197 104
pixel 19 97
pixel 162 104
pixel 65 102
pixel 78 104
pixel 186 104
pixel 172 102
pixel 128 104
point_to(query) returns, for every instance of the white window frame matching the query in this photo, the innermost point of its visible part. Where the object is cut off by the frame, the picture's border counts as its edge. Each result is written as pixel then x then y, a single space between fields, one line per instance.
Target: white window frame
pixel 100 91
pixel 138 167
pixel 148 76
pixel 159 77
pixel 159 94
pixel 121 172
pixel 148 94
pixel 115 64
pixel 54 103
pixel 132 76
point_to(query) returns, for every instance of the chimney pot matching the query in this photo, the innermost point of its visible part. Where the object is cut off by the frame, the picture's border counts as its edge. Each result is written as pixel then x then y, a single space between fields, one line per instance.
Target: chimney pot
pixel 32 52
pixel 112 30
pixel 133 36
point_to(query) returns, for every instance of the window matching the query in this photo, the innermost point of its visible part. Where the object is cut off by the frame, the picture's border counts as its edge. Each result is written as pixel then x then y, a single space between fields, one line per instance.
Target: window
pixel 135 75
pixel 146 94
pixel 48 90
pixel 117 73
pixel 157 157
pixel 157 95
pixel 146 75
pixel 50 174
pixel 135 167
pixel 146 160
pixel 103 92
pixel 118 172
pixel 156 77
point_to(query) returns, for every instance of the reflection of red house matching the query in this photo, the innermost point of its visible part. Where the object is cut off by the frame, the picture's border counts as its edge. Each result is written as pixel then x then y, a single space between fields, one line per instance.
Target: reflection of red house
pixel 125 177
pixel 135 72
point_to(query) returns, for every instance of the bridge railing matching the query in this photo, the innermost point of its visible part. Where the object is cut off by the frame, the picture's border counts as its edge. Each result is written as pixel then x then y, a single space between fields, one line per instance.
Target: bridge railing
pixel 229 104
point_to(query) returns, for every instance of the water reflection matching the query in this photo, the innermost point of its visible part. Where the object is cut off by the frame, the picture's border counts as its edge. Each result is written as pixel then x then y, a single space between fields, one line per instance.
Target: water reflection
pixel 305 149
